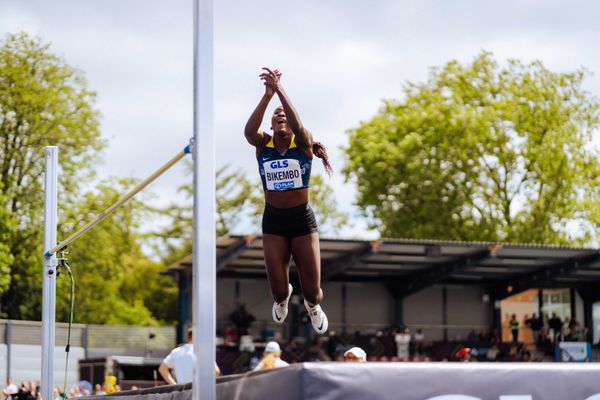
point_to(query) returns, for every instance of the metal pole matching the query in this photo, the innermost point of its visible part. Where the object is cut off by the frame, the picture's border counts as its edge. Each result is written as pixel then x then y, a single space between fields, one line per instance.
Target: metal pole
pixel 344 305
pixel 204 244
pixel 8 340
pixel 49 272
pixel 445 311
pixel 120 202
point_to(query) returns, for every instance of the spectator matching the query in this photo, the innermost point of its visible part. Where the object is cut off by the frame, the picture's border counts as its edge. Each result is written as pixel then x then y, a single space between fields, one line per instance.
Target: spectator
pixel 472 336
pixel 545 343
pixel 74 391
pixel 524 354
pixel 182 360
pixel 271 357
pixel 494 336
pixel 402 339
pixel 9 389
pixel 98 390
pixel 514 328
pixel 355 354
pixel 574 330
pixel 24 393
pixel 464 354
pixel 483 335
pixel 555 323
pixel 535 324
pixel 231 336
pixel 419 342
pixel 492 353
pixel 306 325
pixel 242 319
pixel 34 389
pixel 560 337
pixel 513 354
pixel 58 393
pixel 267 334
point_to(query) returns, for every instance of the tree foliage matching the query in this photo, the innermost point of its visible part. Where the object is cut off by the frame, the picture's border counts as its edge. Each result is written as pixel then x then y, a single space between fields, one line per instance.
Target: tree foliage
pixel 116 282
pixel 482 152
pixel 43 101
pixel 7 228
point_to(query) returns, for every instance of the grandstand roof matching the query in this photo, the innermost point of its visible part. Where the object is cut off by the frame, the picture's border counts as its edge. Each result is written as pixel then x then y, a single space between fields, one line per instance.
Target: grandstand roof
pixel 408 266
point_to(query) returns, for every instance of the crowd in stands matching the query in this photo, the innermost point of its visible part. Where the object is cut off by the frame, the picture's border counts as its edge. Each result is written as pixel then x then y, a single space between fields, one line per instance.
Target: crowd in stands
pixel 240 352
pixel 539 336
pixel 30 390
pixel 27 390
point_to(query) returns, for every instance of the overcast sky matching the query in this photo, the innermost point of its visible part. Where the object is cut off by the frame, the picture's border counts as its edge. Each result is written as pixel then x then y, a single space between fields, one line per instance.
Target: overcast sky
pixel 339 59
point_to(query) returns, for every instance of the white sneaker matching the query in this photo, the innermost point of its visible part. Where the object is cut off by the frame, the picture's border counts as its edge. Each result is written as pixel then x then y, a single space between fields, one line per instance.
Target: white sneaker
pixel 317 317
pixel 280 310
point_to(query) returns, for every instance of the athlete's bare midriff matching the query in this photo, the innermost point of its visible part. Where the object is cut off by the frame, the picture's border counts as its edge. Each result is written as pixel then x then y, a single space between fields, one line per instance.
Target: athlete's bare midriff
pixel 287 199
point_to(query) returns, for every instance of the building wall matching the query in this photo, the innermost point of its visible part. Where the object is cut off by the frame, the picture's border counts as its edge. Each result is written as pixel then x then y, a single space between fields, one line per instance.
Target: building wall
pixel 20 341
pixel 424 307
pixel 466 306
pixel 368 305
pixel 26 363
pixel 465 310
pixel 253 293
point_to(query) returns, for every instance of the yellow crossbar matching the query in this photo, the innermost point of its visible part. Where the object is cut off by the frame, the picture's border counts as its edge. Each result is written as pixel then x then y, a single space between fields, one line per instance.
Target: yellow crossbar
pixel 119 203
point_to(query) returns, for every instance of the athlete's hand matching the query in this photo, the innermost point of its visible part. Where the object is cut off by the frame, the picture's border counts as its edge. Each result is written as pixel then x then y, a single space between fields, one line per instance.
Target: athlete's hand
pixel 271 79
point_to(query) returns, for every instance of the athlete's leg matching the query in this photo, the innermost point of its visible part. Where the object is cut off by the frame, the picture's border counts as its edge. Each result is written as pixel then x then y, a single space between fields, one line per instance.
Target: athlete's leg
pixel 277 253
pixel 306 252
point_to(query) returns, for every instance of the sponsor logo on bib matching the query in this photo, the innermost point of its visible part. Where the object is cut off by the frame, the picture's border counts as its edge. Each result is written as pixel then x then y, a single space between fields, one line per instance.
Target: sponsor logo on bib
pixel 283 174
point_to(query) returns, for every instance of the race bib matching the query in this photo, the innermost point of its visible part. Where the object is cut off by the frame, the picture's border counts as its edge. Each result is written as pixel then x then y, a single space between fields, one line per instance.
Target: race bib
pixel 283 174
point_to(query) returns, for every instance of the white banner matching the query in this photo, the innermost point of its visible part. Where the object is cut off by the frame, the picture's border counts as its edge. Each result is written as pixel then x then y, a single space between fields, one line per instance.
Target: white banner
pixel 574 352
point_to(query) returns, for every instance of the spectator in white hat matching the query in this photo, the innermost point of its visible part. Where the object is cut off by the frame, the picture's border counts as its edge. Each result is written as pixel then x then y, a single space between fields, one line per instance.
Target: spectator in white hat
pixel 355 354
pixel 271 357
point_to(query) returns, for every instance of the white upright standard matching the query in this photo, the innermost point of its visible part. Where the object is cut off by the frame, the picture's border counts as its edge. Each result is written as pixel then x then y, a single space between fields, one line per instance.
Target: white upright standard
pixel 204 244
pixel 49 271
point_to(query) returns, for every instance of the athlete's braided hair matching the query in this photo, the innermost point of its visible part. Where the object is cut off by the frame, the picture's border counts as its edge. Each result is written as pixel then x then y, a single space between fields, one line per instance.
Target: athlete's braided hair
pixel 320 151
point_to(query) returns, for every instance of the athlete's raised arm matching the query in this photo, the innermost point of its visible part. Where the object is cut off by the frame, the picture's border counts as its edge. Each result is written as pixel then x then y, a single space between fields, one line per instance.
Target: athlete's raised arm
pixel 252 131
pixel 303 136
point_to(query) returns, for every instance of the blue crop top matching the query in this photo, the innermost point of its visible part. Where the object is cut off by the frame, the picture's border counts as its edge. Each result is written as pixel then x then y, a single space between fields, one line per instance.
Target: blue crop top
pixel 287 171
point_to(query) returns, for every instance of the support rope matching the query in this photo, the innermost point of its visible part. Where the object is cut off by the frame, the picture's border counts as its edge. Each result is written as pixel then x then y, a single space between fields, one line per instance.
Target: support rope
pixel 64 263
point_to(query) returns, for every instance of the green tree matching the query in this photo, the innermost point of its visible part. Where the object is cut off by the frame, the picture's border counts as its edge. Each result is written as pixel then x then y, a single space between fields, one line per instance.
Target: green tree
pixel 7 227
pixel 116 282
pixel 43 101
pixel 482 152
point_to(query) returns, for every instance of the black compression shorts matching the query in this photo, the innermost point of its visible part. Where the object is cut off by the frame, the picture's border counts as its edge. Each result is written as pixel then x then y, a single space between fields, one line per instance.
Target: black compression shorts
pixel 289 222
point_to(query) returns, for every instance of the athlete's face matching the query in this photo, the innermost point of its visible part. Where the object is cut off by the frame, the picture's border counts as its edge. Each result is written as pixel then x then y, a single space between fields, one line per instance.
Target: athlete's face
pixel 278 120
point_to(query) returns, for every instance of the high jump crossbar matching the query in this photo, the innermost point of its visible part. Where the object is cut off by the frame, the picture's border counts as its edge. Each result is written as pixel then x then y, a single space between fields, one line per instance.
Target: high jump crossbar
pixel 119 202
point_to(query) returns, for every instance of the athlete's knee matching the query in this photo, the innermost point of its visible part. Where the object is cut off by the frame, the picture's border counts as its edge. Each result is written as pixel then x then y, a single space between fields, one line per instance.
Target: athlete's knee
pixel 313 297
pixel 279 293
